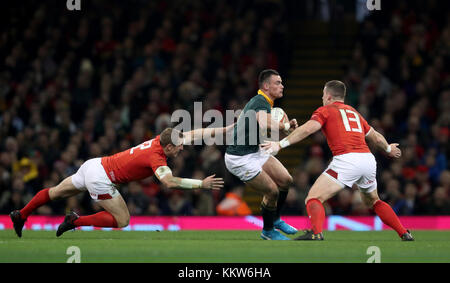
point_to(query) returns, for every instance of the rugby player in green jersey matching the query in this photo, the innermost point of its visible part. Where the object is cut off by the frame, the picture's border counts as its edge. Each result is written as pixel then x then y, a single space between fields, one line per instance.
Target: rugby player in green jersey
pixel 256 167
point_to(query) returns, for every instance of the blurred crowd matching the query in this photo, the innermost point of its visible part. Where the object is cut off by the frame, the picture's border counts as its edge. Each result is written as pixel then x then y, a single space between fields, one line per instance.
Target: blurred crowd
pixel 77 85
pixel 398 78
pixel 81 84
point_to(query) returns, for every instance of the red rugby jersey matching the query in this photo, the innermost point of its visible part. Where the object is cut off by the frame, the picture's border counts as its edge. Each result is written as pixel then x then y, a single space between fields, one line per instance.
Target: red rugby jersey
pixel 344 128
pixel 136 163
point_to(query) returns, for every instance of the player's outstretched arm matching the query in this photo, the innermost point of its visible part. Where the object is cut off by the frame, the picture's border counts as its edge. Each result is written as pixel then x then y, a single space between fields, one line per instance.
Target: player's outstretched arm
pixel 302 132
pixel 198 134
pixel 379 140
pixel 164 174
pixel 296 136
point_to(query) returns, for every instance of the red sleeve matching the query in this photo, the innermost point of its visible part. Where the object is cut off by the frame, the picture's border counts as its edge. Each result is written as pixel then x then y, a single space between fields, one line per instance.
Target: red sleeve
pixel 320 115
pixel 157 160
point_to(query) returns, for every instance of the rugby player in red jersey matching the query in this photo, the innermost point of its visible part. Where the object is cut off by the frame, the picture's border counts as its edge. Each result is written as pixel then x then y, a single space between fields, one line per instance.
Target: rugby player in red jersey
pixel 100 177
pixel 346 132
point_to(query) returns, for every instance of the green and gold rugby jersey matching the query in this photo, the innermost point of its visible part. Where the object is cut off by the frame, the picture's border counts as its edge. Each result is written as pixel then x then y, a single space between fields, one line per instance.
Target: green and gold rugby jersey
pixel 246 134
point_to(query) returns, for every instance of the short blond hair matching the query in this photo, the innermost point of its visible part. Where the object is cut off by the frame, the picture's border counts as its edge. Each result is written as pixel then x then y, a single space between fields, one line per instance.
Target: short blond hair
pixel 171 136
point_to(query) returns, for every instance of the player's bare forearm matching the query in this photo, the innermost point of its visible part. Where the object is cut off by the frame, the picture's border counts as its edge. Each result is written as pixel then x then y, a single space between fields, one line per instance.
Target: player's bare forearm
pixel 193 135
pixel 303 131
pixel 381 141
pixel 266 122
pixel 183 183
pixel 209 182
pixel 296 136
pixel 173 182
pixel 228 128
pixel 377 139
pixel 381 144
pixel 199 134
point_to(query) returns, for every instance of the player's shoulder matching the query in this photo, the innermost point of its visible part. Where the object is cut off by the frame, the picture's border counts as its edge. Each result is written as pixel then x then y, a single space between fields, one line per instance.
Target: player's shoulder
pixel 349 107
pixel 156 148
pixel 156 142
pixel 257 99
pixel 336 106
pixel 330 109
pixel 322 109
pixel 257 102
pixel 153 144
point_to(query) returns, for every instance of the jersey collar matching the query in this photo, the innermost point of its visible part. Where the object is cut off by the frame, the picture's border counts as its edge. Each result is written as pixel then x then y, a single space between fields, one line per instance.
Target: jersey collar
pixel 266 97
pixel 338 102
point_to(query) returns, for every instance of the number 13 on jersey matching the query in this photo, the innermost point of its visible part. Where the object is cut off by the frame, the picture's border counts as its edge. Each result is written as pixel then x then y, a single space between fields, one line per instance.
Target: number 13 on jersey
pixel 350 116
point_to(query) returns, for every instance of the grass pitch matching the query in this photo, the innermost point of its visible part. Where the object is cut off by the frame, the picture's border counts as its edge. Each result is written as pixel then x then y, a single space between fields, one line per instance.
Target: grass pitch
pixel 220 247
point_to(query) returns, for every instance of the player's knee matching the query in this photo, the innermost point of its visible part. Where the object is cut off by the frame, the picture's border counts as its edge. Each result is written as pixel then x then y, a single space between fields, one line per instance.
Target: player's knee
pixel 370 199
pixel 287 181
pixel 54 194
pixel 290 180
pixel 57 192
pixel 272 194
pixel 369 202
pixel 310 197
pixel 123 221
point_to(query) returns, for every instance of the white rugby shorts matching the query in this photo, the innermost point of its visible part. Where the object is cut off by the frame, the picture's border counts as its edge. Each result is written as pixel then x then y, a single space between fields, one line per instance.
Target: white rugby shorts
pixel 246 167
pixel 354 168
pixel 91 176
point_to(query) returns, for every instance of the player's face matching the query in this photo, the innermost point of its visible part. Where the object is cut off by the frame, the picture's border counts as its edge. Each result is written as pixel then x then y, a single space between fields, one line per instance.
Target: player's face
pixel 177 149
pixel 173 150
pixel 276 86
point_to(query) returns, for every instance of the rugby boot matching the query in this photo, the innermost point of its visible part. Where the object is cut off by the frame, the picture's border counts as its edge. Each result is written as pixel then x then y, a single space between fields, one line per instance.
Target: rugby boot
pixel 17 221
pixel 284 227
pixel 273 235
pixel 67 223
pixel 309 235
pixel 407 236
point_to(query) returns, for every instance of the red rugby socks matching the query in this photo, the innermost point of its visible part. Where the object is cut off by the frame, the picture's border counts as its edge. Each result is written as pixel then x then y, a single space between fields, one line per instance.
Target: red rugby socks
pixel 388 216
pixel 316 213
pixel 41 198
pixel 101 219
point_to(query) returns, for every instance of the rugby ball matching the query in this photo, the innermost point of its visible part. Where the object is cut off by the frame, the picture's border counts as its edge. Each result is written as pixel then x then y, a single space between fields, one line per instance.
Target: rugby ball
pixel 279 115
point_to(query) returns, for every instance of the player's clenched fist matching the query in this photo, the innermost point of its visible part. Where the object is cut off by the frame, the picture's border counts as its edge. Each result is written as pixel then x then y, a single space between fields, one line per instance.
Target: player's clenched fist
pixel 293 123
pixel 212 183
pixel 395 151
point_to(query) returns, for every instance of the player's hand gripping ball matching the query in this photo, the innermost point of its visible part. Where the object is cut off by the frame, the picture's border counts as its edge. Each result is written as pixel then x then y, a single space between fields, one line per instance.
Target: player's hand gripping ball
pixel 279 115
